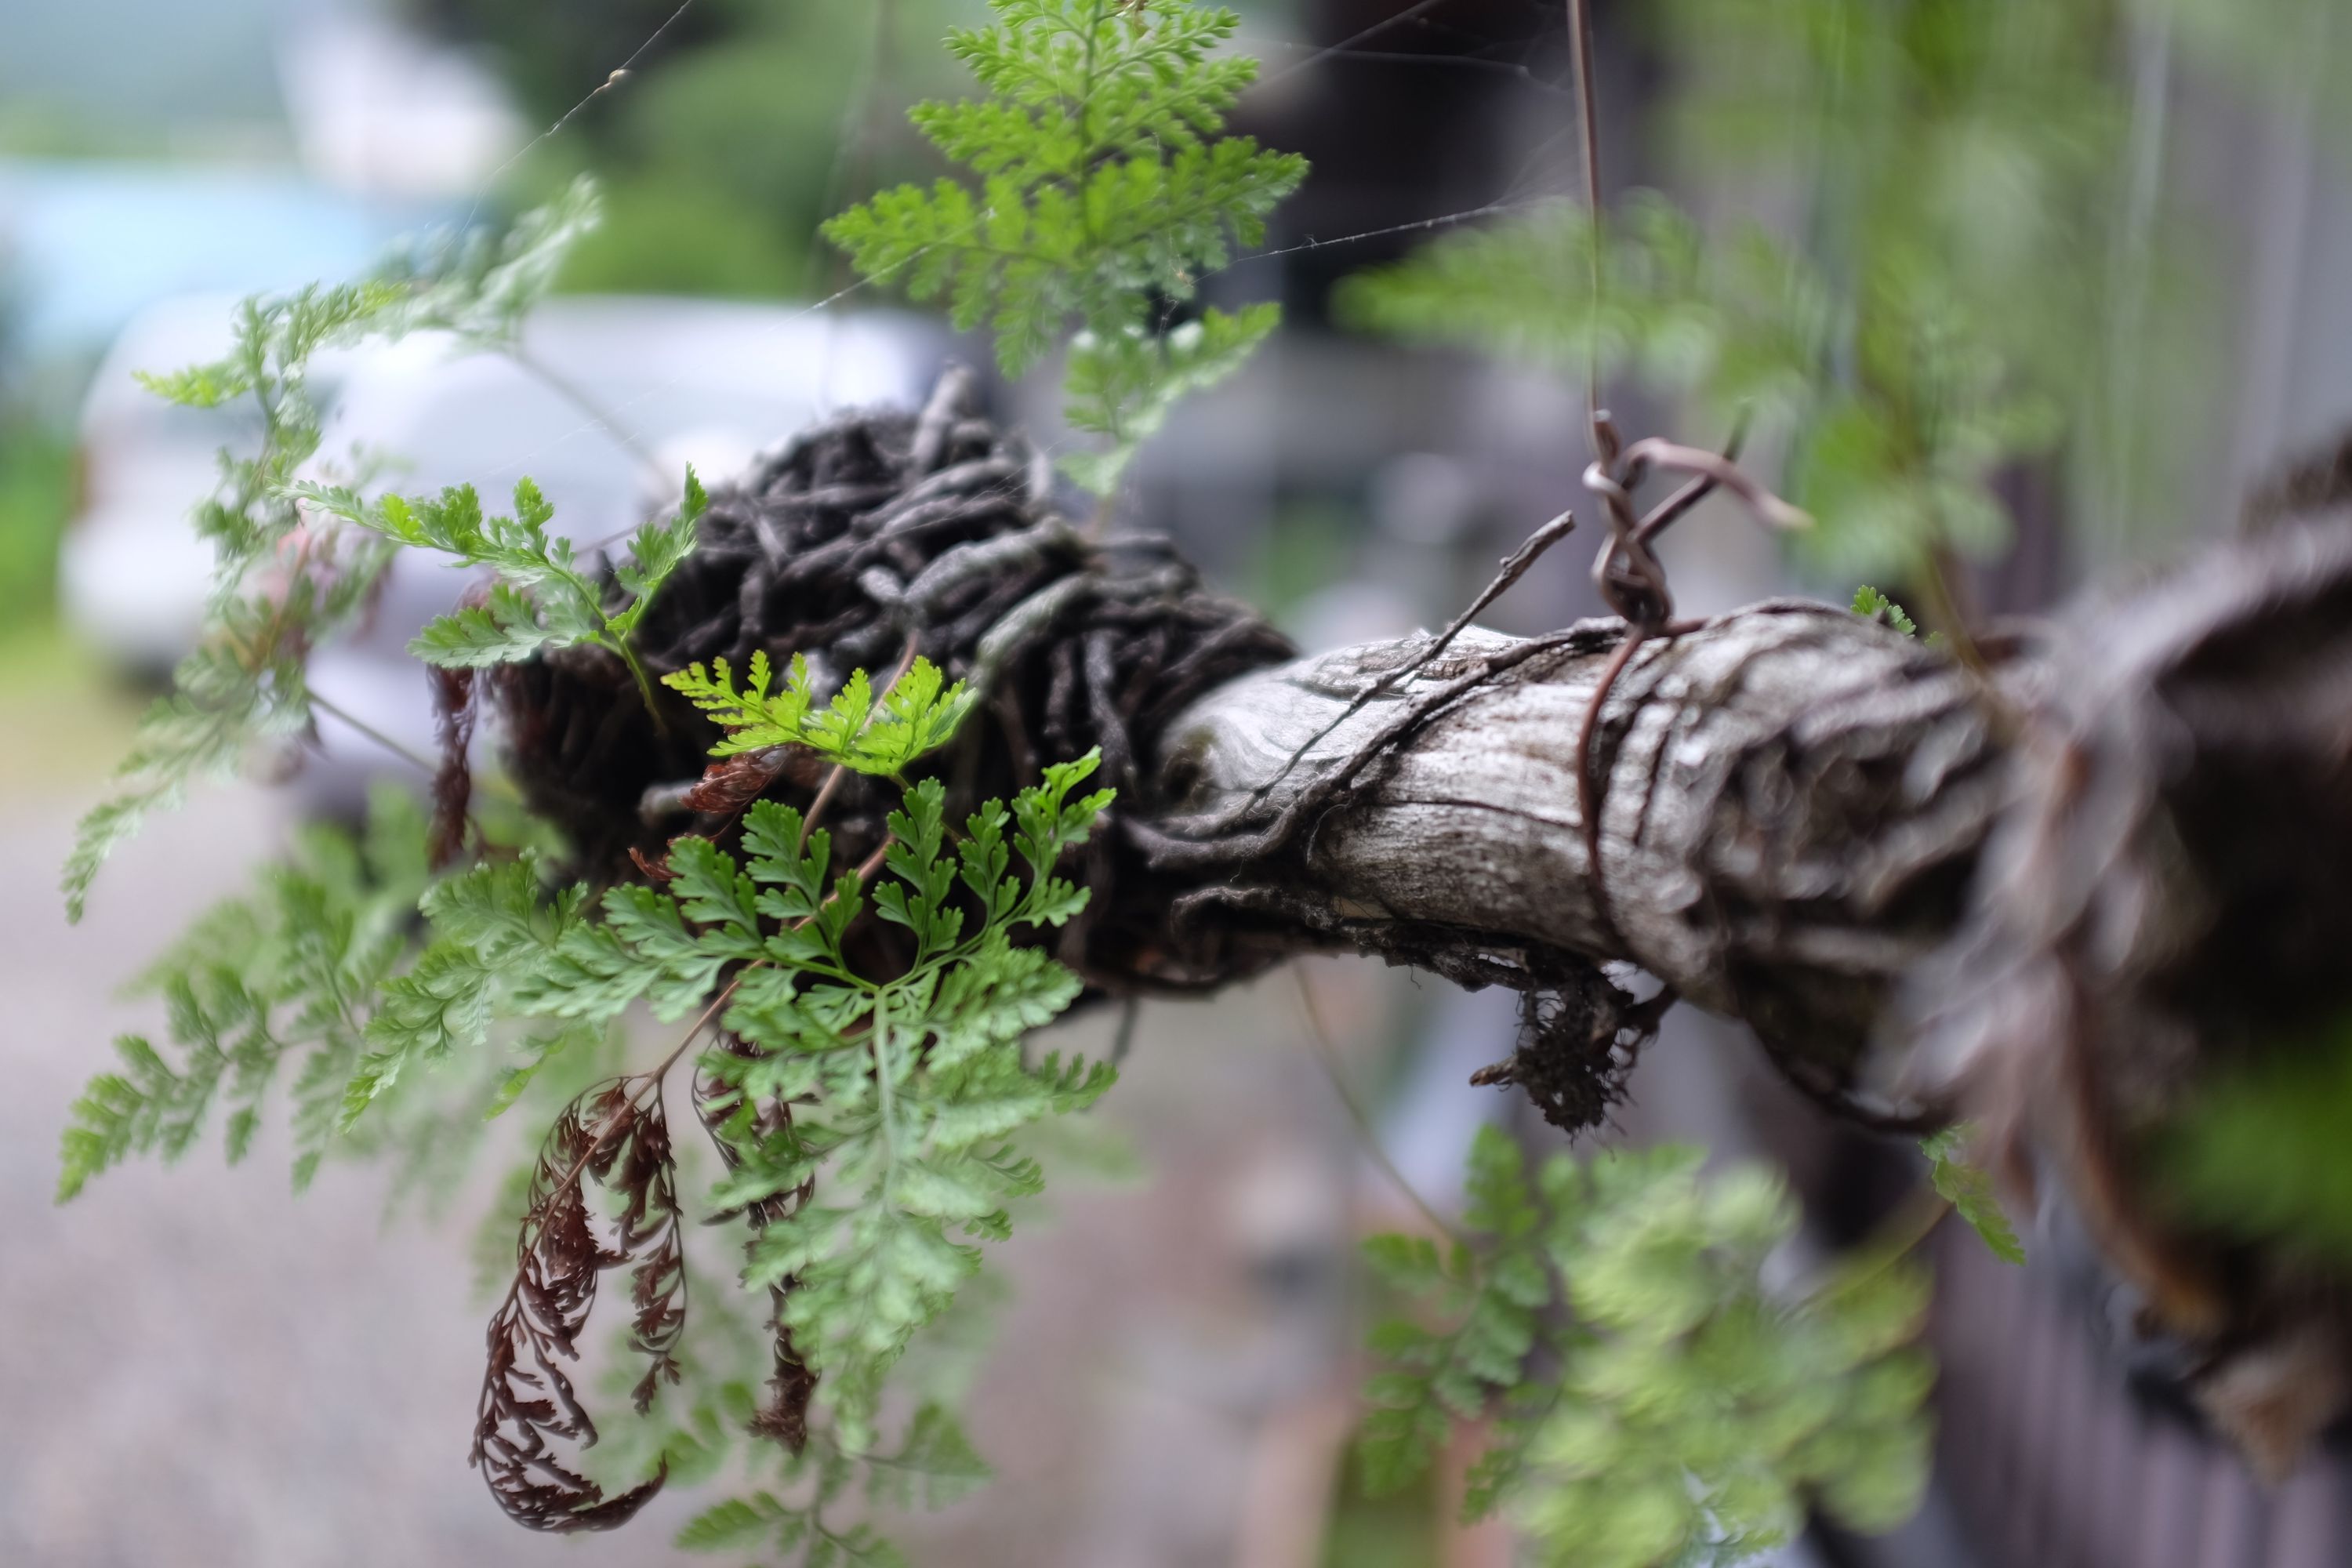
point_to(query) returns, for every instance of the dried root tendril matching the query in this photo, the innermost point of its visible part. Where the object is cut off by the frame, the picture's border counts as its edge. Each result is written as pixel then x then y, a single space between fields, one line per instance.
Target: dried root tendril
pixel 1580 1037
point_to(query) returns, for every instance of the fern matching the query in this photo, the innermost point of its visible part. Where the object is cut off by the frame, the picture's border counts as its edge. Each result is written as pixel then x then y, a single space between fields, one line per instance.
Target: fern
pixel 1654 1403
pixel 1902 415
pixel 289 973
pixel 904 1091
pixel 1970 1192
pixel 480 286
pixel 1740 319
pixel 1101 181
pixel 542 600
pixel 907 1091
pixel 282 585
pixel 1491 1296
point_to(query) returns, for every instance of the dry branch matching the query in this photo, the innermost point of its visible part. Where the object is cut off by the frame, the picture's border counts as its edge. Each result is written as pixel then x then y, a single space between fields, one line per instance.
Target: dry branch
pixel 1793 798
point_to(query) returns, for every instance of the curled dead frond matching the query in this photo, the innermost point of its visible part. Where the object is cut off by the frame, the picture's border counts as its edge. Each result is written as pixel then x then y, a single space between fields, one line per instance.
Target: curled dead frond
pixel 609 1136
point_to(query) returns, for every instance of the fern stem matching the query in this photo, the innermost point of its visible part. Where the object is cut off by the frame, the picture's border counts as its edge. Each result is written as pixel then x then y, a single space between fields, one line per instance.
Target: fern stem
pixel 823 798
pixel 370 732
pixel 1580 31
pixel 886 1107
pixel 644 682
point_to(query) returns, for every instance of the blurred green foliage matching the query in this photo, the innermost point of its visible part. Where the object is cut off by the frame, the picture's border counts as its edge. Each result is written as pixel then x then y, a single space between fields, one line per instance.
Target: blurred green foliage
pixel 2302 44
pixel 32 128
pixel 2259 1154
pixel 1969 1188
pixel 1654 1404
pixel 1959 277
pixel 36 498
pixel 1396 1530
pixel 244 687
pixel 743 127
pixel 1309 545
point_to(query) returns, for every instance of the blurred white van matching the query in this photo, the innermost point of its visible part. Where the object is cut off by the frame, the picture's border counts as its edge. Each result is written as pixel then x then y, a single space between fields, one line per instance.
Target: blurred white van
pixel 703 382
pixel 132 572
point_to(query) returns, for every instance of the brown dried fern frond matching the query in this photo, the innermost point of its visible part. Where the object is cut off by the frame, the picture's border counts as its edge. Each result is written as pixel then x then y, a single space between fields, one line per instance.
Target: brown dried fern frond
pixel 609 1137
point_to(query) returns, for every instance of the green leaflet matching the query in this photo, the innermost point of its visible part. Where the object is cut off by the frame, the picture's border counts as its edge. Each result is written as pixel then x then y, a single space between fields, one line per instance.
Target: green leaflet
pixel 1100 181
pixel 1870 602
pixel 1970 1192
pixel 543 599
pixel 1685 1413
pixel 916 716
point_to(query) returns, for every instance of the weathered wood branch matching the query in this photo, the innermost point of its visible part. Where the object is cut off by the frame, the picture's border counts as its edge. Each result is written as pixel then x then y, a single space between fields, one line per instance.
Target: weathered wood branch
pixel 2062 904
pixel 1793 799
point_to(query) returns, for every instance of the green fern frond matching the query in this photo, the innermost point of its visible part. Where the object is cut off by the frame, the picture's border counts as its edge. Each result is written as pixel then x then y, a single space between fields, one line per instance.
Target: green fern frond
pixel 1688 1414
pixel 916 716
pixel 243 688
pixel 543 599
pixel 1102 180
pixel 289 973
pixel 1901 415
